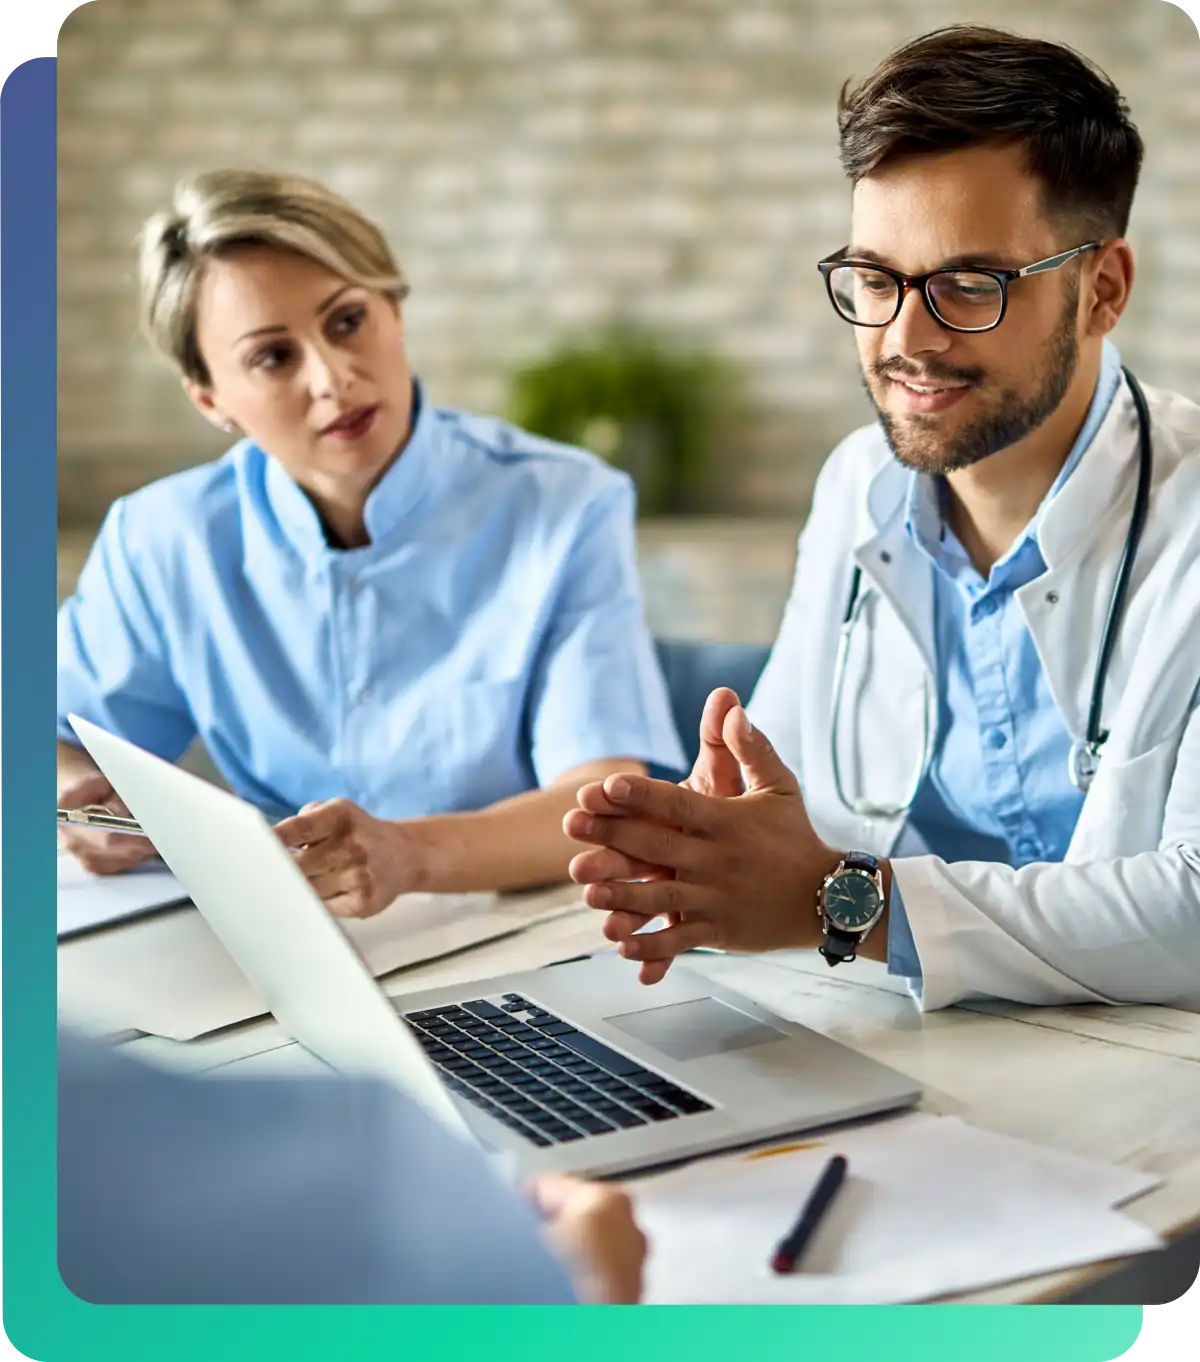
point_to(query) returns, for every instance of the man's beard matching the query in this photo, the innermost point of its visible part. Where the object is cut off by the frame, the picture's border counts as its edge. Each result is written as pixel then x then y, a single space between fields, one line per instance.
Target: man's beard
pixel 915 441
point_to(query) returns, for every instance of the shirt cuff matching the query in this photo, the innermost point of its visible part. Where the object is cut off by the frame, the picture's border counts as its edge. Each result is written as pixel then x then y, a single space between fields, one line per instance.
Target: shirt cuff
pixel 902 949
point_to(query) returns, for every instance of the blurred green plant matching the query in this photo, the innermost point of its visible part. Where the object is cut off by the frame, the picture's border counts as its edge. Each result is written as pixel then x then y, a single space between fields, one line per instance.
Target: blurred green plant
pixel 638 402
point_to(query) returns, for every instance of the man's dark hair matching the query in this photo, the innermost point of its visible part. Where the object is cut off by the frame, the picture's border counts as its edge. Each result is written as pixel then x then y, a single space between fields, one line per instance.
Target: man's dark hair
pixel 968 86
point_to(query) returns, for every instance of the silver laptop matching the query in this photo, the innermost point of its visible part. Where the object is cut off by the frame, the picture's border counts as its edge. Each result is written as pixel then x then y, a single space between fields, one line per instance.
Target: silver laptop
pixel 577 1067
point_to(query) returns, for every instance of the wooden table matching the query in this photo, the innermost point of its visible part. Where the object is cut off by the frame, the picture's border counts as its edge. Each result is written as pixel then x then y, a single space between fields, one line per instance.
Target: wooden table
pixel 1117 1084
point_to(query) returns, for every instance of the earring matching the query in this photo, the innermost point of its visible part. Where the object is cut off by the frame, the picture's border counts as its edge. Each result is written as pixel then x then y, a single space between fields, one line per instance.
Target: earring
pixel 229 427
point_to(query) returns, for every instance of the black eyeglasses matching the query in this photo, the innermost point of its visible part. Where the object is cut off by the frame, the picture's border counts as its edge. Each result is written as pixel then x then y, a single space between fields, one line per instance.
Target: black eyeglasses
pixel 974 299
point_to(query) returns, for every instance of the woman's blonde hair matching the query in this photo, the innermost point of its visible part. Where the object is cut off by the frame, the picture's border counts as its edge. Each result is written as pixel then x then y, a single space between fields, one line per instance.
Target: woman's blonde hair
pixel 224 209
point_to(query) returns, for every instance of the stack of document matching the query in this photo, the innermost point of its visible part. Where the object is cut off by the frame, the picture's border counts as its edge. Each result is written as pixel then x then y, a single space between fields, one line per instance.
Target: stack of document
pixel 87 901
pixel 930 1207
pixel 168 975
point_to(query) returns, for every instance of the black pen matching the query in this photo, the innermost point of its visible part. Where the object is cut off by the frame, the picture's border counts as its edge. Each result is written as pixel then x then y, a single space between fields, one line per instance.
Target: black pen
pixel 792 1246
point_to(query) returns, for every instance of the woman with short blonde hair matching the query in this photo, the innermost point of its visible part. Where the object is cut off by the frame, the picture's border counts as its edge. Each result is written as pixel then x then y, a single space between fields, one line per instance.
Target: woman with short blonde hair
pixel 420 629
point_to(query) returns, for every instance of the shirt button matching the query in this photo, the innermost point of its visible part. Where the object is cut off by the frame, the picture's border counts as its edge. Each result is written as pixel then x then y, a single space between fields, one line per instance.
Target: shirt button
pixel 364 695
pixel 1027 851
pixel 994 738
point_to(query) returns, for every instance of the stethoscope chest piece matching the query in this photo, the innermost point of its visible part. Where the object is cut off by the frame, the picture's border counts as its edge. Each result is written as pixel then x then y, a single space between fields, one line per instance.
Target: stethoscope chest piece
pixel 1083 763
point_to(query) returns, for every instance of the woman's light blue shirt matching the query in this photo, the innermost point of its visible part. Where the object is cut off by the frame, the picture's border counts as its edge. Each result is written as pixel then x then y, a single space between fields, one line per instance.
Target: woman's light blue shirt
pixel 488 639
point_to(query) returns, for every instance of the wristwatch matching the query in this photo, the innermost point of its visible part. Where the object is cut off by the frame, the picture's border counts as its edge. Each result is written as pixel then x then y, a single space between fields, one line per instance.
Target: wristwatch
pixel 849 904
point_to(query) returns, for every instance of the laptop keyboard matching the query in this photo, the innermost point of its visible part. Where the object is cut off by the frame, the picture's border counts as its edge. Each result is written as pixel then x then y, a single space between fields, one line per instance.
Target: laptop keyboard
pixel 541 1076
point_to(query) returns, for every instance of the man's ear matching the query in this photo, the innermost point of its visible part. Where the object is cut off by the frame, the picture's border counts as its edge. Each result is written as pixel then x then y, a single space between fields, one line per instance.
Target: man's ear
pixel 202 399
pixel 1111 286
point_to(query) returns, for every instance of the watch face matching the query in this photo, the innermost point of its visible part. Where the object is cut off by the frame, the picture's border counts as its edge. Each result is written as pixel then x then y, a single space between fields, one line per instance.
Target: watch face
pixel 852 900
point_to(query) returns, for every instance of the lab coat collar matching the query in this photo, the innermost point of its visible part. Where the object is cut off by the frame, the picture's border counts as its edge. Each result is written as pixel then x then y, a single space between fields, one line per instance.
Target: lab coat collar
pixel 1092 494
pixel 888 556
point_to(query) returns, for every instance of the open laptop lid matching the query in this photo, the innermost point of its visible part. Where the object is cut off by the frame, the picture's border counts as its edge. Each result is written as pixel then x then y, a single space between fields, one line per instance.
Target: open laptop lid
pixel 267 916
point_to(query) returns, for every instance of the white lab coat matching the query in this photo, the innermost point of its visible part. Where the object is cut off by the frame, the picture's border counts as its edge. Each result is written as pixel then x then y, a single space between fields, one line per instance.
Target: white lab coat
pixel 1119 919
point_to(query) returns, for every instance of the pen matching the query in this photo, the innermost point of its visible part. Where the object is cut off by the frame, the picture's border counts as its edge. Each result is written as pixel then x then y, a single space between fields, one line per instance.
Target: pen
pixel 792 1246
pixel 96 816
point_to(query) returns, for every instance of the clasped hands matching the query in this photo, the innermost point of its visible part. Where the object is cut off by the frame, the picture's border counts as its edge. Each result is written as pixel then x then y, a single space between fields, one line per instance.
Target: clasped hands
pixel 728 857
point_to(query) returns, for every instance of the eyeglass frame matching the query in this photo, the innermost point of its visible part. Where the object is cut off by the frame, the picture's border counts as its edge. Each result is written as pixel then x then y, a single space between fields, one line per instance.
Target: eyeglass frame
pixel 907 282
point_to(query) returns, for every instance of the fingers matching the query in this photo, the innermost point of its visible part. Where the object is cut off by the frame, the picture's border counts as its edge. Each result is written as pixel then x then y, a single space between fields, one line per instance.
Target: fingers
pixel 602 863
pixel 107 853
pixel 716 771
pixel 653 971
pixel 670 942
pixel 764 768
pixel 314 823
pixel 554 1191
pixel 654 898
pixel 649 843
pixel 620 925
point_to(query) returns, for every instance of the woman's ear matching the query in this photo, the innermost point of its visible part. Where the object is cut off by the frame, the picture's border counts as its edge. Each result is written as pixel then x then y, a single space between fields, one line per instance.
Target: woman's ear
pixel 202 399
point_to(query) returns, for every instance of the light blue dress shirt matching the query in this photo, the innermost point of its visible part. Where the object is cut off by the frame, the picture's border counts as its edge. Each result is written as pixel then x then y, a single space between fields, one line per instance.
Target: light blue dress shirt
pixel 489 638
pixel 300 1191
pixel 997 787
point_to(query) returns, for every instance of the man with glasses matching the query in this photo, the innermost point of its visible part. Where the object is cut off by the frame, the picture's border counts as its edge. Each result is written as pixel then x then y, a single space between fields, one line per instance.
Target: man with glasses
pixel 984 696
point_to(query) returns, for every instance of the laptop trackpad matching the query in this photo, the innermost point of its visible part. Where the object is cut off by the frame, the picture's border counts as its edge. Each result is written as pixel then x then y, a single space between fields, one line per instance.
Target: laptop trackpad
pixel 696 1029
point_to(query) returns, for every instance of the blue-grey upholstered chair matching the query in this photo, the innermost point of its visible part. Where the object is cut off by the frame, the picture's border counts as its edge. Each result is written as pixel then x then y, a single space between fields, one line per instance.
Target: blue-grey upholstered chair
pixel 693 671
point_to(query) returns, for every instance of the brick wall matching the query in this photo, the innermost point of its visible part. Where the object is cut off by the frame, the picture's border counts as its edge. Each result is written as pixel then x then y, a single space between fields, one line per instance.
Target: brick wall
pixel 542 166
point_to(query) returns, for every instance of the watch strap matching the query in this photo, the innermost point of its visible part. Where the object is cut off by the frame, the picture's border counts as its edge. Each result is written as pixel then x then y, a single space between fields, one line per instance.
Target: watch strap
pixel 860 860
pixel 839 947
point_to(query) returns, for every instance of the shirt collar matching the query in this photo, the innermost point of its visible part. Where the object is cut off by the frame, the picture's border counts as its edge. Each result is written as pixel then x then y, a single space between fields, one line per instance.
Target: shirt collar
pixel 411 476
pixel 925 499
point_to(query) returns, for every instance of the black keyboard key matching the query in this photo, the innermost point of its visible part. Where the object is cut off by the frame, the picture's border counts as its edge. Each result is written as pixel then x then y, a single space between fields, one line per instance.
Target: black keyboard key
pixel 603 1055
pixel 593 1124
pixel 541 1069
pixel 655 1110
pixel 545 1044
pixel 556 1028
pixel 621 1116
pixel 573 1088
pixel 552 1049
pixel 566 1110
pixel 557 1130
pixel 689 1104
pixel 485 1010
pixel 557 1101
pixel 455 1065
pixel 526 1083
pixel 586 1070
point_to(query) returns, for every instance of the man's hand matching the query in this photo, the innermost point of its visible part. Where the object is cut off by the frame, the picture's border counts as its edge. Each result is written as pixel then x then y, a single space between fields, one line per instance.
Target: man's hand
pixel 103 853
pixel 716 772
pixel 591 1227
pixel 744 871
pixel 357 863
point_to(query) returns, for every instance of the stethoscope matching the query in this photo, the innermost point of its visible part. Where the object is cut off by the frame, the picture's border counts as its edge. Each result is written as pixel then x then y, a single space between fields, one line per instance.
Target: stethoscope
pixel 1083 761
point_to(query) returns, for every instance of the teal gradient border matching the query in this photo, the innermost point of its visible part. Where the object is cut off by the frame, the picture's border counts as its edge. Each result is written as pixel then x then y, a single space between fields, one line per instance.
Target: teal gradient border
pixel 41 1317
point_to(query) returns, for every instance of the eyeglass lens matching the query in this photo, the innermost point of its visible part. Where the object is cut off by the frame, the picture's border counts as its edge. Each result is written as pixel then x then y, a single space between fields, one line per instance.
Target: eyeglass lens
pixel 960 298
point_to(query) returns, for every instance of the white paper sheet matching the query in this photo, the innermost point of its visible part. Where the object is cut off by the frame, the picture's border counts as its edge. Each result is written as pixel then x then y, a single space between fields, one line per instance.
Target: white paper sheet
pixel 930 1207
pixel 87 901
pixel 169 975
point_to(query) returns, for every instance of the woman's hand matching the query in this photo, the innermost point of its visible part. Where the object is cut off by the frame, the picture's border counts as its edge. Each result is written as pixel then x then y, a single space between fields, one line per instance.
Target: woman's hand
pixel 103 853
pixel 358 864
pixel 592 1228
